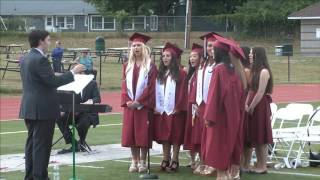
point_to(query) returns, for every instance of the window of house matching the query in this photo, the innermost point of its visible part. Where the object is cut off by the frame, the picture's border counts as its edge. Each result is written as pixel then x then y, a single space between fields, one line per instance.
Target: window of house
pixel 69 22
pixel 108 23
pixel 129 24
pixel 49 21
pixel 102 23
pixel 96 22
pixel 65 22
pixel 60 22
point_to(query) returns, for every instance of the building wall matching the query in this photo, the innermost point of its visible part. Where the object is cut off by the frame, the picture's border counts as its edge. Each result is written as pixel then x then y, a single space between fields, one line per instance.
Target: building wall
pixel 310 45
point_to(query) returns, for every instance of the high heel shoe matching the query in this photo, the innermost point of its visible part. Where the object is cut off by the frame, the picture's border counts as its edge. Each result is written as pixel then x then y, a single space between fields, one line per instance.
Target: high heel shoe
pixel 174 166
pixel 164 165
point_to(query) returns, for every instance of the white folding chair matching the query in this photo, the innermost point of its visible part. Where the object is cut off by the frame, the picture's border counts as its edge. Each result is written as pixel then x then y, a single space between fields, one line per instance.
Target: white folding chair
pixel 311 135
pixel 274 109
pixel 286 135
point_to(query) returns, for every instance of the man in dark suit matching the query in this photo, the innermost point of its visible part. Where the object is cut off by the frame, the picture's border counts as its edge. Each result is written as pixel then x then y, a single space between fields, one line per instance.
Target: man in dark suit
pixel 83 120
pixel 40 107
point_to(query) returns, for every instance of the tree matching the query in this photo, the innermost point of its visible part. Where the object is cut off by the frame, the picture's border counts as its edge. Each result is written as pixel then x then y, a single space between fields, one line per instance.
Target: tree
pixel 267 17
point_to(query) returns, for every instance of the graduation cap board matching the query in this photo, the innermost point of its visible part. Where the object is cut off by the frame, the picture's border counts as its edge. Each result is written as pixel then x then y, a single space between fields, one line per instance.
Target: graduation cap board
pixel 176 51
pixel 208 37
pixel 197 48
pixel 75 87
pixel 137 37
pixel 234 46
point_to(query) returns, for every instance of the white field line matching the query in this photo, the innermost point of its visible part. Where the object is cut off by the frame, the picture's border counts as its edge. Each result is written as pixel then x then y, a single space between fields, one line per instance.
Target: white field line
pixel 124 161
pixel 93 167
pixel 100 114
pixel 296 174
pixel 18 132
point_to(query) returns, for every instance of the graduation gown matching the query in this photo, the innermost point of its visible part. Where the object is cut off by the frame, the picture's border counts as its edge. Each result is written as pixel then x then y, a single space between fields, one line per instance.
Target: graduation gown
pixel 135 121
pixel 171 127
pixel 223 111
pixel 194 124
pixel 200 134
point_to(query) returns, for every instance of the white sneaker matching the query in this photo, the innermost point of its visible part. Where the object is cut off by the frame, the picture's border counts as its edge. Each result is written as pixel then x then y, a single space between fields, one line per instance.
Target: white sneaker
pixel 143 167
pixel 133 167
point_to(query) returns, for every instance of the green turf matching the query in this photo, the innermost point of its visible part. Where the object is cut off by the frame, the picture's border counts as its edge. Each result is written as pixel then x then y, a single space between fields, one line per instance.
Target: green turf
pixel 113 170
pixel 14 143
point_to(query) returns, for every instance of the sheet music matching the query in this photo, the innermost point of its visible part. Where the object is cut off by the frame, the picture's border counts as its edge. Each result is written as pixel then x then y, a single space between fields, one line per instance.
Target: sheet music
pixel 79 83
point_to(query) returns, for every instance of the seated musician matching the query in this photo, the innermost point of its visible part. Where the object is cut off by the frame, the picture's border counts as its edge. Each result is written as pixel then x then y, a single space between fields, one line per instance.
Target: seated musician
pixel 83 120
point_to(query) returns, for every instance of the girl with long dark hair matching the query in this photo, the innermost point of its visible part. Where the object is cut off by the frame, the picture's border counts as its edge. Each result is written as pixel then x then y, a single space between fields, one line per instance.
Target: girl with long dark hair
pixel 193 128
pixel 258 106
pixel 204 74
pixel 171 105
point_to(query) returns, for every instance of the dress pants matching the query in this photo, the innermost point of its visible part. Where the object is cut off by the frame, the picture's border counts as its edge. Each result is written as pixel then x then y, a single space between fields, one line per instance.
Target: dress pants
pixel 38 148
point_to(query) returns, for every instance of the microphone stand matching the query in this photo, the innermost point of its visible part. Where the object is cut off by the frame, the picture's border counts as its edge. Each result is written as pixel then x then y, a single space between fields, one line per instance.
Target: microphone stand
pixel 149 175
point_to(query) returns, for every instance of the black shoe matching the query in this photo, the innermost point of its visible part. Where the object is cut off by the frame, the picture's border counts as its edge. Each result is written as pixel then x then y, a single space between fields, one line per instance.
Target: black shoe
pixel 64 151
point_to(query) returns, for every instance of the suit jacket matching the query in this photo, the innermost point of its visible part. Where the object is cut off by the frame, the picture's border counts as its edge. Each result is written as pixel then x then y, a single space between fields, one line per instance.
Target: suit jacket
pixel 40 99
pixel 91 91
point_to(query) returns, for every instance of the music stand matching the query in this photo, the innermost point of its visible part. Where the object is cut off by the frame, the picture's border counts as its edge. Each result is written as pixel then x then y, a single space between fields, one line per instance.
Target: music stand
pixel 75 87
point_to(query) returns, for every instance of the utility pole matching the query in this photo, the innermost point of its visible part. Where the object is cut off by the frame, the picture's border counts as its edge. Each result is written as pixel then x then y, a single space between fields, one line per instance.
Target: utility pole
pixel 188 24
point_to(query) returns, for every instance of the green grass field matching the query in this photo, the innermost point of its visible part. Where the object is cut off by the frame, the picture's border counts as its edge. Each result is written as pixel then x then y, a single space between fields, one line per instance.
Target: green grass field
pixel 303 69
pixel 109 132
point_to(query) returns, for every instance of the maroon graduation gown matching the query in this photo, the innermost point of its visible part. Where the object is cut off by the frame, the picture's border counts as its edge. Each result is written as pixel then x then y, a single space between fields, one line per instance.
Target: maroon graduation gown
pixel 223 111
pixel 135 122
pixel 193 134
pixel 171 128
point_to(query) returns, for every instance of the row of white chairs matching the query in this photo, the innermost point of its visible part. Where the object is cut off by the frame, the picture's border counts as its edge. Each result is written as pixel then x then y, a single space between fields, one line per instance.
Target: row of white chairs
pixel 293 127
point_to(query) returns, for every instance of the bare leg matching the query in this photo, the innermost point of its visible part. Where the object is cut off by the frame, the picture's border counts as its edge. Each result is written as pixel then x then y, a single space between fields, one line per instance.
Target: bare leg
pixel 143 156
pixel 134 154
pixel 166 151
pixel 261 151
pixel 222 175
pixel 135 159
pixel 246 158
pixel 176 150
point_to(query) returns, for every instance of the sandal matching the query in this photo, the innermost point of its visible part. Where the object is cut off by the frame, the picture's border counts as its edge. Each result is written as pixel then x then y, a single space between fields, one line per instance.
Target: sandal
pixel 253 171
pixel 164 165
pixel 209 171
pixel 200 168
pixel 237 176
pixel 174 166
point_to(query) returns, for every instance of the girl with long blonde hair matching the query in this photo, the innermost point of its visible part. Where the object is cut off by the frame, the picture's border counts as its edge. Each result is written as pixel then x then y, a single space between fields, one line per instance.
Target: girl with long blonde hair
pixel 139 75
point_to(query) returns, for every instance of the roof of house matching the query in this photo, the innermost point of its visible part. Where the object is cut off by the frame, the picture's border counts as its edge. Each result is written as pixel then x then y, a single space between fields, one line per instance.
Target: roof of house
pixel 310 12
pixel 46 7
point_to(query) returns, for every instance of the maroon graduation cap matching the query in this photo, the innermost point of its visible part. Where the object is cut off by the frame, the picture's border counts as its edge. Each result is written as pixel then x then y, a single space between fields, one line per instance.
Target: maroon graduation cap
pixel 137 37
pixel 235 48
pixel 175 50
pixel 210 36
pixel 197 48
